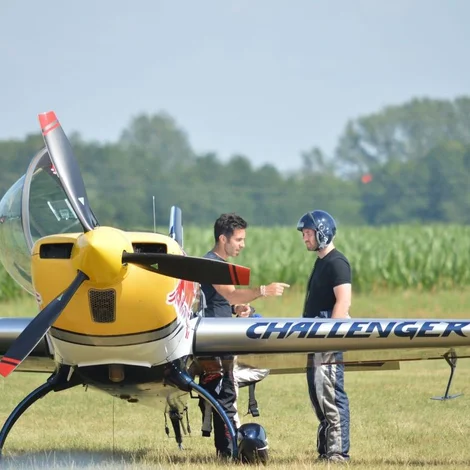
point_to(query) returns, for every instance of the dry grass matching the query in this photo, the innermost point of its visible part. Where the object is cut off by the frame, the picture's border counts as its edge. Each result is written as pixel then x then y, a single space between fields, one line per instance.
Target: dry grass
pixel 395 424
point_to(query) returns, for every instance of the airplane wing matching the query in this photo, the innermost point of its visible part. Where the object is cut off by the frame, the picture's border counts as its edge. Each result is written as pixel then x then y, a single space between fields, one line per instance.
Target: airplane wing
pixel 40 359
pixel 282 344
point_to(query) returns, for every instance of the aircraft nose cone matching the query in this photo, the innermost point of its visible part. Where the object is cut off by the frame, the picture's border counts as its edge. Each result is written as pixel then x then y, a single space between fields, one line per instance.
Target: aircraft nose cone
pixel 98 254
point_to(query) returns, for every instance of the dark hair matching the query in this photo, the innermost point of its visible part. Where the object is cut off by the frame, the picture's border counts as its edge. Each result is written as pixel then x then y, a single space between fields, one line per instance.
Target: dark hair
pixel 226 224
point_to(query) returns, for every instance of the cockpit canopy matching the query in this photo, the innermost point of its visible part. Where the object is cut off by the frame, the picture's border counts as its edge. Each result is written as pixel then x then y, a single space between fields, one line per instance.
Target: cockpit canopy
pixel 34 207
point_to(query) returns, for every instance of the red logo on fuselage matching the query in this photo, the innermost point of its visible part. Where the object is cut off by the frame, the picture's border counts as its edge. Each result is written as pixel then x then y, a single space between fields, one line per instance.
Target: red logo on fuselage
pixel 182 299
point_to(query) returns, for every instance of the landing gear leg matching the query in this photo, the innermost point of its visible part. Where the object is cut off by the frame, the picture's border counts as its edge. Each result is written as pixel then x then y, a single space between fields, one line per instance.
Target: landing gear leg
pixel 184 381
pixel 451 359
pixel 57 381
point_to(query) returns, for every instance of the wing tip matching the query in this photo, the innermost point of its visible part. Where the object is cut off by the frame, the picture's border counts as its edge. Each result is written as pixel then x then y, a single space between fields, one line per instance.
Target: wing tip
pixel 48 121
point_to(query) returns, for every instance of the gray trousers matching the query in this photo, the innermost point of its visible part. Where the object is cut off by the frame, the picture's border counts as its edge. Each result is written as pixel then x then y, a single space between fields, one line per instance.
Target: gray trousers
pixel 325 380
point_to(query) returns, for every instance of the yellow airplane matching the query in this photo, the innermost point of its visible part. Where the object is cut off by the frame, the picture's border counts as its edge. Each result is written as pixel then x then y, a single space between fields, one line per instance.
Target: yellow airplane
pixel 123 311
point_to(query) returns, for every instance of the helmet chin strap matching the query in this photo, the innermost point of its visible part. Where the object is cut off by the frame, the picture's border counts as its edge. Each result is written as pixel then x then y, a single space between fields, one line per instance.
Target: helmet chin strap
pixel 319 243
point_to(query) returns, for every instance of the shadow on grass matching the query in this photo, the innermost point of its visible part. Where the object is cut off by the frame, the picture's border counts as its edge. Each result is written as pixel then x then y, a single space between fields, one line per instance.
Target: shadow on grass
pixel 146 458
pixel 76 459
pixel 82 458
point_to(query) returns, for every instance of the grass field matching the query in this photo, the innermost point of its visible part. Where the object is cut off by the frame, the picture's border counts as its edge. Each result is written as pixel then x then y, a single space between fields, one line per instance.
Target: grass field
pixel 394 423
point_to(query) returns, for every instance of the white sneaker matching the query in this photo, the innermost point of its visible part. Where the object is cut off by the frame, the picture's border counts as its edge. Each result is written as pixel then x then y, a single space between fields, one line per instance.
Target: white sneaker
pixel 338 458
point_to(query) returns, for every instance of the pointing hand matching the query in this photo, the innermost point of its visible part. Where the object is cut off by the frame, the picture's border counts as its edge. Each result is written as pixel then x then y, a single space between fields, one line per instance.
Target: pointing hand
pixel 274 289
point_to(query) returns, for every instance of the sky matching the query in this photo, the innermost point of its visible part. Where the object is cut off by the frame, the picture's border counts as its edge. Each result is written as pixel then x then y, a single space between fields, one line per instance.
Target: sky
pixel 267 79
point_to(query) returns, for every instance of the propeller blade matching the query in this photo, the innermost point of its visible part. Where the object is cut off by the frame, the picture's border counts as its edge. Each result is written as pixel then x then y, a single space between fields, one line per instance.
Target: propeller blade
pixel 34 332
pixel 190 268
pixel 68 171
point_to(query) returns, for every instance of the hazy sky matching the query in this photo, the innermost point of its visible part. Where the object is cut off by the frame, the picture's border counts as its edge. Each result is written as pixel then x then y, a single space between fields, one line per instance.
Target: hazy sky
pixel 264 78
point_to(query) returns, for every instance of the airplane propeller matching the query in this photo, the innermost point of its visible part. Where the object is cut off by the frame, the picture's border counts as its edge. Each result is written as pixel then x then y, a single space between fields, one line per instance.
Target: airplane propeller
pixel 66 166
pixel 190 268
pixel 34 332
pixel 202 270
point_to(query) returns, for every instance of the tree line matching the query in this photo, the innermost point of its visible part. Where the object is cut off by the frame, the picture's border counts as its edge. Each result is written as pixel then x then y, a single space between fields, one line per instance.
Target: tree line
pixel 408 163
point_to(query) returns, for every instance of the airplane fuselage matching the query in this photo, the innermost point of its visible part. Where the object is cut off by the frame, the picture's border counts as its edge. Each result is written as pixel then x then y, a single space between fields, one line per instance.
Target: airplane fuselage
pixel 122 315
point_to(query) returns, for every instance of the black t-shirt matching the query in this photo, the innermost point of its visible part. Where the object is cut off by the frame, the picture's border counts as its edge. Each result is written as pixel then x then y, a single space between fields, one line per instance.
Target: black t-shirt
pixel 217 305
pixel 328 272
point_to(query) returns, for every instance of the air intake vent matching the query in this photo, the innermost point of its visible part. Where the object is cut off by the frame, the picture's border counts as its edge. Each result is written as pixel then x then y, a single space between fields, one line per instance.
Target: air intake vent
pixel 149 247
pixel 56 250
pixel 103 305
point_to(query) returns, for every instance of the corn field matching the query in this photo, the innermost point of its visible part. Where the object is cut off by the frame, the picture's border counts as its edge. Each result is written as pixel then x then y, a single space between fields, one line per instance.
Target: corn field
pixel 383 258
pixel 394 257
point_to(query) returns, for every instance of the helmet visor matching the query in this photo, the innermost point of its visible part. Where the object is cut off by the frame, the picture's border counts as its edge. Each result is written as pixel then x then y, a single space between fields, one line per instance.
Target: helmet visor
pixel 306 221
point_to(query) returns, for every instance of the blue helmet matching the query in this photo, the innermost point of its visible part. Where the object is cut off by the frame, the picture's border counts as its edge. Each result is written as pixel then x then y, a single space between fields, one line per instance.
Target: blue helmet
pixel 323 224
pixel 253 444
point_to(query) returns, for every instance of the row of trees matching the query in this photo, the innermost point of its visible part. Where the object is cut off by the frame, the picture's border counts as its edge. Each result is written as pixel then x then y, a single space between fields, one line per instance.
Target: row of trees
pixel 408 163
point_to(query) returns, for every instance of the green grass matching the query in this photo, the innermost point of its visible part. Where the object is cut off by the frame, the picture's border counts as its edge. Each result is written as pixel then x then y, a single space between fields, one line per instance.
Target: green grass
pixel 394 423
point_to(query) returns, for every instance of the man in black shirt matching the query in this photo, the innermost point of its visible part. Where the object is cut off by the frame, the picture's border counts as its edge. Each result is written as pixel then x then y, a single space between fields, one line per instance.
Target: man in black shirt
pixel 223 301
pixel 328 296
